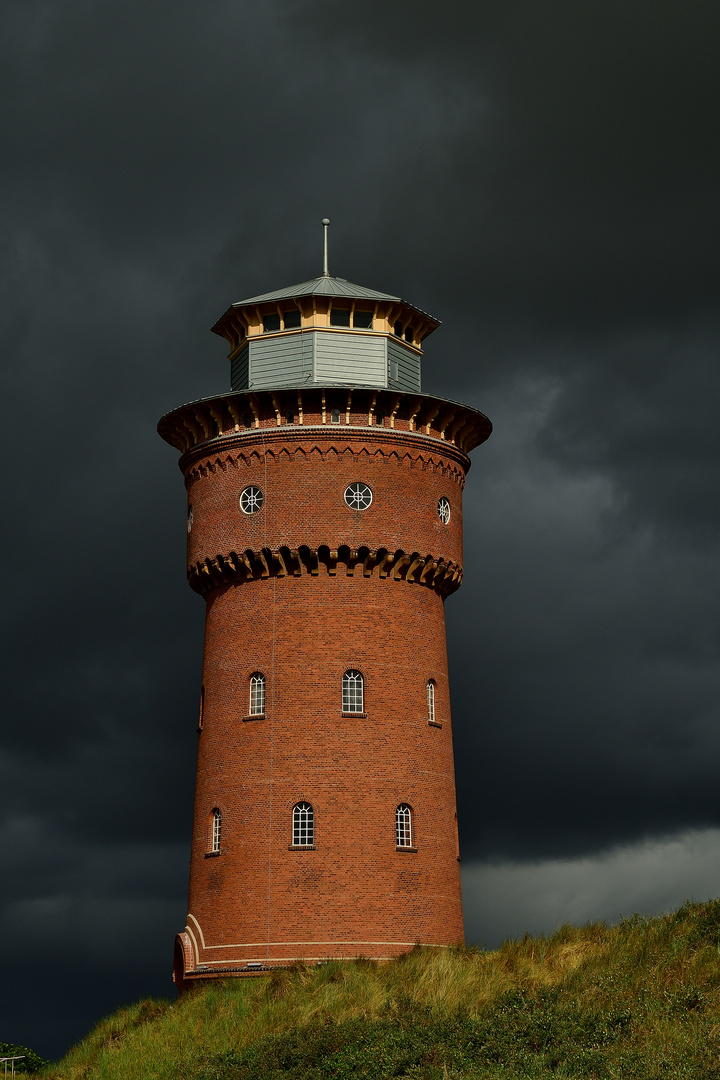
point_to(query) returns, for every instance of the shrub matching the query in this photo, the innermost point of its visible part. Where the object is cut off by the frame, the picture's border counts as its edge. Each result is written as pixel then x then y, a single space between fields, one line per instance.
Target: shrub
pixel 31 1062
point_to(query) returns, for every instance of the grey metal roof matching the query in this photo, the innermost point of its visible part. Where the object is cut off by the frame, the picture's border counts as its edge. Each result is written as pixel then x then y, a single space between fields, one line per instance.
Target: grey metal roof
pixel 329 286
pixel 321 286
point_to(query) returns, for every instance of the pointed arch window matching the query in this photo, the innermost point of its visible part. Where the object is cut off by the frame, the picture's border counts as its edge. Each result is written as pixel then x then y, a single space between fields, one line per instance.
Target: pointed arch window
pixel 403 826
pixel 215 831
pixel 431 701
pixel 353 692
pixel 257 694
pixel 303 825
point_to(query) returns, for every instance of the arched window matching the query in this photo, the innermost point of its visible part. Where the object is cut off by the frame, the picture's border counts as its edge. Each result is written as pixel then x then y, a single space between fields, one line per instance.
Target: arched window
pixel 431 701
pixel 403 826
pixel 216 828
pixel 303 834
pixel 257 694
pixel 352 692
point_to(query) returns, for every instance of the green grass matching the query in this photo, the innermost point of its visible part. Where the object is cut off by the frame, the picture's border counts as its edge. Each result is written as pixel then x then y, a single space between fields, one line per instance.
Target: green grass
pixel 639 1000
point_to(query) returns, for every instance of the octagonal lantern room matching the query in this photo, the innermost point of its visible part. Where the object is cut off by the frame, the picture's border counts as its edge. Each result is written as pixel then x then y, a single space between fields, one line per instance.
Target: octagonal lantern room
pixel 325 332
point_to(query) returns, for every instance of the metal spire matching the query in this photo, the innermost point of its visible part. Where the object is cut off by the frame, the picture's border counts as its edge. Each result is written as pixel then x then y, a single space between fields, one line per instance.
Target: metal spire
pixel 325 223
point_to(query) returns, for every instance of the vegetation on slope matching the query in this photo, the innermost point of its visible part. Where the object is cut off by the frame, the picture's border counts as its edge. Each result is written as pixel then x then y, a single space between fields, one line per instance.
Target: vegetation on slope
pixel 638 1000
pixel 29 1060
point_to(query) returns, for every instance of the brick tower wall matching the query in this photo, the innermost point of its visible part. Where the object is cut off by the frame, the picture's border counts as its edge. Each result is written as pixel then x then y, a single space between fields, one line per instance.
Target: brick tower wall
pixel 302 591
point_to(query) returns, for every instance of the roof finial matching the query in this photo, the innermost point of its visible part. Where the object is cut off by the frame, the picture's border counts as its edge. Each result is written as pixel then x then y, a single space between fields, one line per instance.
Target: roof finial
pixel 325 223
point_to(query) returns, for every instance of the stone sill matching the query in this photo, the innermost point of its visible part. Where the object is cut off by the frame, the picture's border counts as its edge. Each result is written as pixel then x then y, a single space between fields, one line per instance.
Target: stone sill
pixel 410 850
pixel 213 854
pixel 255 716
pixel 434 723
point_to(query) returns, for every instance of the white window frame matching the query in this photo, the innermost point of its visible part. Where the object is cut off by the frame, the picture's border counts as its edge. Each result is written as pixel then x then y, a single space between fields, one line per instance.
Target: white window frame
pixel 251 499
pixel 303 825
pixel 257 694
pixel 358 496
pixel 431 701
pixel 353 692
pixel 403 826
pixel 216 833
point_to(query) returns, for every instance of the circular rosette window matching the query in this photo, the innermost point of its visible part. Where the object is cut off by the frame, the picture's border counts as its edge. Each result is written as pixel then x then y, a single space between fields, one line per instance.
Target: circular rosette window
pixel 251 500
pixel 444 510
pixel 358 496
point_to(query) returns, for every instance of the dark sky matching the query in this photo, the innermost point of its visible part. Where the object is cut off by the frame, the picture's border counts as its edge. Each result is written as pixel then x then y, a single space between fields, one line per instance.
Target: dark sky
pixel 542 176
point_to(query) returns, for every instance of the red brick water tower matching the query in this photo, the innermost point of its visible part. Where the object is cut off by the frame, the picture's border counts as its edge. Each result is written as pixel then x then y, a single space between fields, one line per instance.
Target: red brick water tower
pixel 324 532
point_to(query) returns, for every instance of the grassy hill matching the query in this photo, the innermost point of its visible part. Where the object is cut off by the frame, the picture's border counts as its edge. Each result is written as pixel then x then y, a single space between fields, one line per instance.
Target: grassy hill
pixel 638 1000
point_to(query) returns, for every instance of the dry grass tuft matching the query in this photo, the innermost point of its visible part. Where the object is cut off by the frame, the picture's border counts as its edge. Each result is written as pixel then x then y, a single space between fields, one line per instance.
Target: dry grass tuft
pixel 654 983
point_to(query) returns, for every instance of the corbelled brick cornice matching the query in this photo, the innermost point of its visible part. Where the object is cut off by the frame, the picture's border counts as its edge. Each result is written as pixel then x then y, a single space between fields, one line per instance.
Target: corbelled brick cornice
pixel 234 567
pixel 358 414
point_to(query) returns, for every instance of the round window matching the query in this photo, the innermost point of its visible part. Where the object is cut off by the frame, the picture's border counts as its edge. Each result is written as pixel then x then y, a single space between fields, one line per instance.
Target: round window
pixel 358 496
pixel 190 518
pixel 444 510
pixel 251 500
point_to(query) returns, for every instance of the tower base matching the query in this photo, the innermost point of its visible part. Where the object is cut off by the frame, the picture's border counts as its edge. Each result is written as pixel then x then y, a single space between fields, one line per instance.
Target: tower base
pixel 187 971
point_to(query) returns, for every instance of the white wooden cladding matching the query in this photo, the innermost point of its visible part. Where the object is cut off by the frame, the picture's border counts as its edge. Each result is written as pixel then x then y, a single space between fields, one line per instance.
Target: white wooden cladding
pixel 239 370
pixel 403 367
pixel 285 360
pixel 325 358
pixel 349 359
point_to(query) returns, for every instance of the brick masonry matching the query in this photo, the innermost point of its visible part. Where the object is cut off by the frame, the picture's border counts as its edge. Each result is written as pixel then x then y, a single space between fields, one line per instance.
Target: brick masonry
pixel 302 591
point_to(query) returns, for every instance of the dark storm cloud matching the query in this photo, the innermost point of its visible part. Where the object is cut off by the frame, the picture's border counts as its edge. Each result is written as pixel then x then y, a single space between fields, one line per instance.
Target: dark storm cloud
pixel 583 188
pixel 544 178
pixel 594 719
pixel 648 878
pixel 644 409
pixel 83 923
